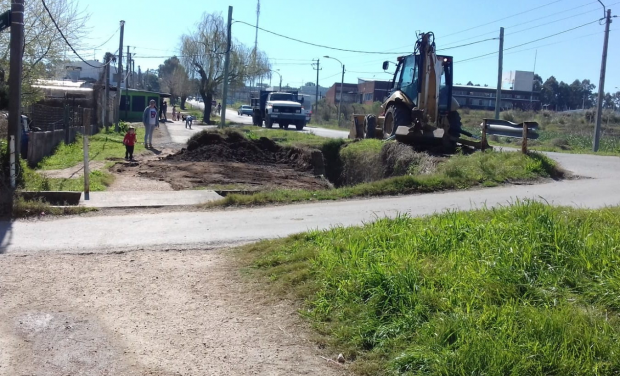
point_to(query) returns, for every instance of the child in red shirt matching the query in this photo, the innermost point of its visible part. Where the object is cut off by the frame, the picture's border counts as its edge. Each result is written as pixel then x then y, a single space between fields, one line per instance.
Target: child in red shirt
pixel 129 141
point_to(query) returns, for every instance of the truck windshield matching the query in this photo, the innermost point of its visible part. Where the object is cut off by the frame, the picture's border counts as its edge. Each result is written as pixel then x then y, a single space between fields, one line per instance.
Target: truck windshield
pixel 281 97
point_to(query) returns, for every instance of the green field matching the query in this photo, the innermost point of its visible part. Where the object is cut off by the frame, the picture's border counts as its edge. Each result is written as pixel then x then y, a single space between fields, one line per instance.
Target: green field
pixel 524 290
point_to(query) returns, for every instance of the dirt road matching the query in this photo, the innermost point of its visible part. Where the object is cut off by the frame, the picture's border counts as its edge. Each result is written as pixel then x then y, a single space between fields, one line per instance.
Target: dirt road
pixel 146 313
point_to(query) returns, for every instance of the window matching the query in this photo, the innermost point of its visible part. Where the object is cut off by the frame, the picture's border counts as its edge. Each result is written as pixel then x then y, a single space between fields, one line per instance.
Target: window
pixel 124 103
pixel 138 103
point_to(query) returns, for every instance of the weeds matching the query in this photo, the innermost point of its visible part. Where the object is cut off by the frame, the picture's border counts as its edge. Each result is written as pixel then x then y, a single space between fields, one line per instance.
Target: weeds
pixel 523 290
pixel 24 209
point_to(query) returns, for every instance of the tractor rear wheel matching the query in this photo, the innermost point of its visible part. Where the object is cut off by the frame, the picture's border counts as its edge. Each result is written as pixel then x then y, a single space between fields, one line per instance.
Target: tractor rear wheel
pixel 395 116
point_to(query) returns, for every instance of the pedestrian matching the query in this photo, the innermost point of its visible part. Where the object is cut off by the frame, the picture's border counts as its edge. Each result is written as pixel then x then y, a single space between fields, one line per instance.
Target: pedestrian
pixel 129 141
pixel 164 108
pixel 188 121
pixel 174 112
pixel 219 108
pixel 150 121
pixel 179 116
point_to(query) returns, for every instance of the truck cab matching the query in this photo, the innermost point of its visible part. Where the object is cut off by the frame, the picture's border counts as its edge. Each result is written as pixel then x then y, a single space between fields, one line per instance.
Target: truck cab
pixel 284 108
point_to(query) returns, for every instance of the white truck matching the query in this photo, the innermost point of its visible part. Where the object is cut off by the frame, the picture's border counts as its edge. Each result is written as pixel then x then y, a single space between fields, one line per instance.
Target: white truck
pixel 283 108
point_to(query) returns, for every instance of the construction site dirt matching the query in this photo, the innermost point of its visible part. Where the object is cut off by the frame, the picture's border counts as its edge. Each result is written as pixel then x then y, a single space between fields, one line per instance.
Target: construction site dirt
pixel 213 161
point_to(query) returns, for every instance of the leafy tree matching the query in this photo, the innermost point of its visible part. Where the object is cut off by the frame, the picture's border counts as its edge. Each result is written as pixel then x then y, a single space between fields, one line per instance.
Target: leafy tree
pixel 470 83
pixel 204 52
pixel 538 82
pixel 549 92
pixel 44 48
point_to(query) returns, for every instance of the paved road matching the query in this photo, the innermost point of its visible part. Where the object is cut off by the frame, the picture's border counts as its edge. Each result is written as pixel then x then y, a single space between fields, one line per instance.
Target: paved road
pixel 231 114
pixel 216 228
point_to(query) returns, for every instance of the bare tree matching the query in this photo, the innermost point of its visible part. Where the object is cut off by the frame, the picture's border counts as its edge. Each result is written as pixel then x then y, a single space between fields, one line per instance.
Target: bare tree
pixel 44 47
pixel 204 50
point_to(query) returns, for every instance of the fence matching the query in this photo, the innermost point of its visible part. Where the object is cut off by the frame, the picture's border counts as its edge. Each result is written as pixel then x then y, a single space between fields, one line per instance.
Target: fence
pixel 51 125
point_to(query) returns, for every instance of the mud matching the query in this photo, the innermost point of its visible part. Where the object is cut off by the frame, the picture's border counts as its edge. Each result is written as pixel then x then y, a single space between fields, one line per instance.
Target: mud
pixel 231 161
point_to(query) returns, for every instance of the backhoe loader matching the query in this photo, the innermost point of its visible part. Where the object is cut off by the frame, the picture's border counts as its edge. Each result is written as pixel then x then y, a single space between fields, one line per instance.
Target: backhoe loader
pixel 419 109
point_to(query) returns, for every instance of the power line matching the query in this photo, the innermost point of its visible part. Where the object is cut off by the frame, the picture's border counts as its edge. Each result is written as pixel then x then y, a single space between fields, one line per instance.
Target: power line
pixel 532 41
pixel 468 44
pixel 66 41
pixel 321 45
pixel 504 18
pixel 107 40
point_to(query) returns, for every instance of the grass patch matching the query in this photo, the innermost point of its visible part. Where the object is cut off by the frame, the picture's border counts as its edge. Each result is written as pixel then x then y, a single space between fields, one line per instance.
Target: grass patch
pixel 34 181
pixel 459 172
pixel 24 209
pixel 102 146
pixel 524 290
pixel 283 137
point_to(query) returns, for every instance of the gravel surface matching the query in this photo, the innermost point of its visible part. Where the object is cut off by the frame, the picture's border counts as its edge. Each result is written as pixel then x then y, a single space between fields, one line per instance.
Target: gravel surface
pixel 147 313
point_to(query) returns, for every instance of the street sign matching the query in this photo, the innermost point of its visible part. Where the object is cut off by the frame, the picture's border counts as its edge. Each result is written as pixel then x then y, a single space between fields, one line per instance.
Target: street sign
pixel 5 20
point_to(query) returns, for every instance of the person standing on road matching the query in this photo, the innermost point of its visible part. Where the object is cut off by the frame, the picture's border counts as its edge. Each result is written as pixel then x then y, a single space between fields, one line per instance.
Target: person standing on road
pixel 174 112
pixel 219 108
pixel 188 121
pixel 150 120
pixel 129 141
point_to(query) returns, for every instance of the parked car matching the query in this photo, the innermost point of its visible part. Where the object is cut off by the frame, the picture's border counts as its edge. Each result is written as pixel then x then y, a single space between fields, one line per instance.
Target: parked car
pixel 245 110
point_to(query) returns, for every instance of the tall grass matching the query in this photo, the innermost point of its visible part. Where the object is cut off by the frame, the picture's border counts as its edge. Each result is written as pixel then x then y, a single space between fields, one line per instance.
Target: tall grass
pixel 459 172
pixel 523 290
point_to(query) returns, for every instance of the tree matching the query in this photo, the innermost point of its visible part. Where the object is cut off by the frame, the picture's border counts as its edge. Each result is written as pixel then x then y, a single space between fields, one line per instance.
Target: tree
pixel 549 92
pixel 174 79
pixel 470 83
pixel 151 82
pixel 538 82
pixel 44 48
pixel 204 51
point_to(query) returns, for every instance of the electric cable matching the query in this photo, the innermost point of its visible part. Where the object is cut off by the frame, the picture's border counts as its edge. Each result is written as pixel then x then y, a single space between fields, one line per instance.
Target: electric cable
pixel 66 41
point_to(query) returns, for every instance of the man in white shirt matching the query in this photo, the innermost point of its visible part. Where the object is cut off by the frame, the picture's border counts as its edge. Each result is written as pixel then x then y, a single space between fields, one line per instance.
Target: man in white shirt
pixel 149 119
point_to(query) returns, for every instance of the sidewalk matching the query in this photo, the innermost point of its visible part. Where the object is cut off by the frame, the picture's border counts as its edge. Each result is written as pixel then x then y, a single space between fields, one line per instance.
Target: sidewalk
pixel 129 199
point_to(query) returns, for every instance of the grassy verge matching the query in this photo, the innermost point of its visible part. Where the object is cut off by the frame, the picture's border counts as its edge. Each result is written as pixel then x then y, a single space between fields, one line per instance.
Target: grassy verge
pixel 34 181
pixel 283 137
pixel 459 172
pixel 102 146
pixel 24 209
pixel 524 290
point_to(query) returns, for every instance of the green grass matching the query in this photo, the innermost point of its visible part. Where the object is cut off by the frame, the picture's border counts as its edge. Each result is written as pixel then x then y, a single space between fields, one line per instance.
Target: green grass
pixel 34 181
pixel 283 137
pixel 459 172
pixel 102 146
pixel 25 209
pixel 524 290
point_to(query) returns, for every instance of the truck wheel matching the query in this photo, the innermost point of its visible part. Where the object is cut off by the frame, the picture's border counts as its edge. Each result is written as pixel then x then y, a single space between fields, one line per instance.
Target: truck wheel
pixel 395 116
pixel 268 122
pixel 300 126
pixel 284 125
pixel 254 120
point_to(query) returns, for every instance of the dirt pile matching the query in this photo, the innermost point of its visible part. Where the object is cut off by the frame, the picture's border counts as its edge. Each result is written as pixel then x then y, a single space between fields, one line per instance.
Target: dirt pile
pixel 234 147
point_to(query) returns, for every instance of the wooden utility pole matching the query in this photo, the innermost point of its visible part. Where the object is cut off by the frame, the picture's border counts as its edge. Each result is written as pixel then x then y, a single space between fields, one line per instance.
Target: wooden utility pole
pixel 127 82
pixel 117 111
pixel 15 91
pixel 226 64
pixel 316 99
pixel 106 97
pixel 498 95
pixel 601 85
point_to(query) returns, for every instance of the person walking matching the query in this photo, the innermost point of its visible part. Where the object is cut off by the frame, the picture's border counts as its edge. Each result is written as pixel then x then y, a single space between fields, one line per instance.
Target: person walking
pixel 174 112
pixel 129 141
pixel 188 121
pixel 150 121
pixel 164 109
pixel 219 108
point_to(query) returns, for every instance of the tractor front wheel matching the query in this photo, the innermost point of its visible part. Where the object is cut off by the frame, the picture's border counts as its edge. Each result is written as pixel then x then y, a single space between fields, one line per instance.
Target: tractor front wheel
pixel 395 116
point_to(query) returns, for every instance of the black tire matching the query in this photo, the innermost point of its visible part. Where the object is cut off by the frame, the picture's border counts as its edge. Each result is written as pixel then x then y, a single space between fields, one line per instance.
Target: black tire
pixel 268 122
pixel 395 116
pixel 284 125
pixel 370 126
pixel 300 126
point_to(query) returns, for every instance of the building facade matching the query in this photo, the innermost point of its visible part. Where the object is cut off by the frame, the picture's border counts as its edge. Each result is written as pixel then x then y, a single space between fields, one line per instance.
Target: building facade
pixel 483 98
pixel 349 93
pixel 364 92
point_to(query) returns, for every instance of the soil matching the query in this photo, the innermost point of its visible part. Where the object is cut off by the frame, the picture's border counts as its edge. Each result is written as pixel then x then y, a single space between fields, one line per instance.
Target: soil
pixel 147 313
pixel 227 162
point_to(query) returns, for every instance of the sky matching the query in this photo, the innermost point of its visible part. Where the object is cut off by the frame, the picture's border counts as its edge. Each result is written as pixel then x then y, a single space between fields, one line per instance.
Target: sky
pixel 154 28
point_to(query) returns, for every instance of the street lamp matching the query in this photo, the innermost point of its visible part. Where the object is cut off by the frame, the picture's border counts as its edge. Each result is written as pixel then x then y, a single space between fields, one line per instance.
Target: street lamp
pixel 341 84
pixel 276 71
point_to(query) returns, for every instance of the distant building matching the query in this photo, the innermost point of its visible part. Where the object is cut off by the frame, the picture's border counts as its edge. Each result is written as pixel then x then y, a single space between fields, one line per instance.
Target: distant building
pixel 365 91
pixel 372 91
pixel 483 98
pixel 79 70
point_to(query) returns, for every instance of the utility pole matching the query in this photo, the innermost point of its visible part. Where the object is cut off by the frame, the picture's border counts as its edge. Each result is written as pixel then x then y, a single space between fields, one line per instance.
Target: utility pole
pixel 226 63
pixel 498 95
pixel 117 110
pixel 601 85
pixel 129 71
pixel 127 82
pixel 316 101
pixel 15 85
pixel 133 70
pixel 106 97
pixel 140 83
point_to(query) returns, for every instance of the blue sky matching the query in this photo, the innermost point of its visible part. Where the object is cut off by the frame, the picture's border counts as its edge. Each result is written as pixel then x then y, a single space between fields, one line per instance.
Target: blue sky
pixel 153 29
